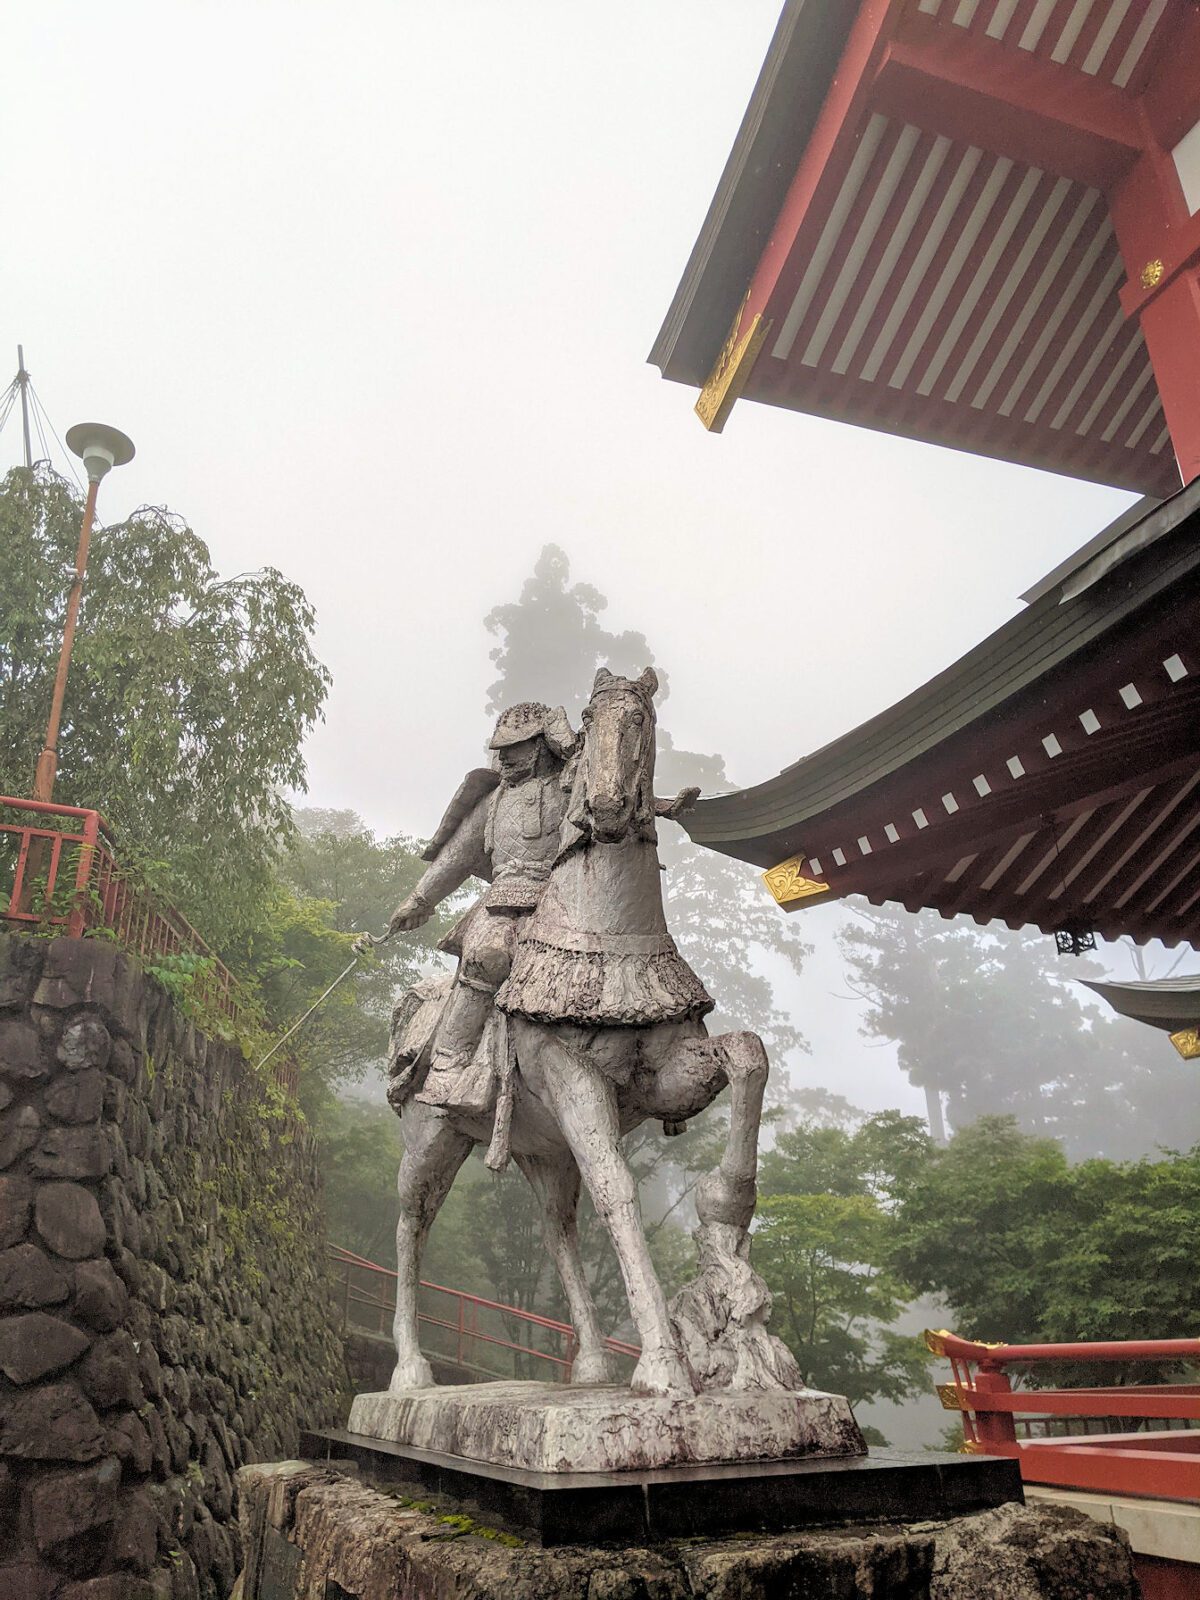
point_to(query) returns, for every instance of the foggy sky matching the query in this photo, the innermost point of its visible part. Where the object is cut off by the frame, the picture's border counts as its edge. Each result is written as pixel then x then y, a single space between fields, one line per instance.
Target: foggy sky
pixel 371 285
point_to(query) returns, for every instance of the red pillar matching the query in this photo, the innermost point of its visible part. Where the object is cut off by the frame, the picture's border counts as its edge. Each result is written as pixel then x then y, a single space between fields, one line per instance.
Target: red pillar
pixel 1160 245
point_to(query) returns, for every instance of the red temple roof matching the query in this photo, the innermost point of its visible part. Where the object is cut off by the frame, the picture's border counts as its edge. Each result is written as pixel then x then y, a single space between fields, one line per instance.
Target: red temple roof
pixel 917 229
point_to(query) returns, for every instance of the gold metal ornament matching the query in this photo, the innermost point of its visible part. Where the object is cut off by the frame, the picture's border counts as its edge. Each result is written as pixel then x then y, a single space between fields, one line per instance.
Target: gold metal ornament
pixel 789 886
pixel 951 1397
pixel 1187 1042
pixel 1152 274
pixel 731 370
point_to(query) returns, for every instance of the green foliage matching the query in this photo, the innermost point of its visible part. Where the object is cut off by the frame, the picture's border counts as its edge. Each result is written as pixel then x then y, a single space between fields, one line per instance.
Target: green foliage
pixel 188 701
pixel 337 880
pixel 824 1243
pixel 1027 1248
pixel 991 1020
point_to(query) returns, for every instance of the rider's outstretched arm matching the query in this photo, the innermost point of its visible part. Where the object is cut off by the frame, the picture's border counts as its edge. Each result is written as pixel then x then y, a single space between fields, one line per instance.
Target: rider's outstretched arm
pixel 464 855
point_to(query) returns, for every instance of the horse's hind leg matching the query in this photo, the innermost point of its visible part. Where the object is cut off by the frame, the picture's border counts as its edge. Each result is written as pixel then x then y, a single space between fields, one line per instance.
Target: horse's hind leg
pixel 584 1105
pixel 555 1181
pixel 434 1151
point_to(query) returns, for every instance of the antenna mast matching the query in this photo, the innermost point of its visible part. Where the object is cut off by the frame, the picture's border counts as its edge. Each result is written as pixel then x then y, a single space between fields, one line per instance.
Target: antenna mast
pixel 23 385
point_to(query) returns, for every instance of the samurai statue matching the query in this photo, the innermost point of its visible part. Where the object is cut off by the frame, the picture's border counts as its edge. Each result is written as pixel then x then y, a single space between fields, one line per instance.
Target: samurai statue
pixel 503 826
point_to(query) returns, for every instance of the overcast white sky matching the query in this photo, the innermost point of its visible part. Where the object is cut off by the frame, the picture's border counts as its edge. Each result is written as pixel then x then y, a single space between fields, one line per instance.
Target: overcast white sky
pixel 371 285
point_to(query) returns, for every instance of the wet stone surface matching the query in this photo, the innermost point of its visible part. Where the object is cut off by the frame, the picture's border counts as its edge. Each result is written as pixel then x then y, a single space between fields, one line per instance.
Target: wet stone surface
pixel 160 1326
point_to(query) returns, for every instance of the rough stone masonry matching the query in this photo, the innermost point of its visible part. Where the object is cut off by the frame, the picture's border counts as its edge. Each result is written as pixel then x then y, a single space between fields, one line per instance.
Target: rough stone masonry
pixel 315 1532
pixel 164 1311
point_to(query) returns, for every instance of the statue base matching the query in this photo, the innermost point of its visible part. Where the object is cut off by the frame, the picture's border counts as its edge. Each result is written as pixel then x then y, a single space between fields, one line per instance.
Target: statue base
pixel 553 1427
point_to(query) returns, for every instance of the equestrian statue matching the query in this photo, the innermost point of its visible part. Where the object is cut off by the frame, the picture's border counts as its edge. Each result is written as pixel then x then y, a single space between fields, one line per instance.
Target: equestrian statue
pixel 571 1019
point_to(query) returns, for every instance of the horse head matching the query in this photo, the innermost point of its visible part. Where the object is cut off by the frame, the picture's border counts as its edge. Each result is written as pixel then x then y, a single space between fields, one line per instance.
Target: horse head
pixel 613 789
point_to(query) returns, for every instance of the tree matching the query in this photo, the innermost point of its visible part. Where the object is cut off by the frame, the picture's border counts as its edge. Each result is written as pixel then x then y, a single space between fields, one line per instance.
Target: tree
pixel 551 640
pixel 824 1244
pixel 335 880
pixel 1027 1248
pixel 188 701
pixel 989 1020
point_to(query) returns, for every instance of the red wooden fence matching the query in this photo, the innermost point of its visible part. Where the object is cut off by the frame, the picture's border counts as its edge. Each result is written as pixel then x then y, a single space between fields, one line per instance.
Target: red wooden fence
pixel 1073 1438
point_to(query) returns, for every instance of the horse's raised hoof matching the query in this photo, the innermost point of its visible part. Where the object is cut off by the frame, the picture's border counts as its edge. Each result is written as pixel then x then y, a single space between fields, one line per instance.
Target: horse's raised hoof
pixel 593 1366
pixel 414 1372
pixel 661 1372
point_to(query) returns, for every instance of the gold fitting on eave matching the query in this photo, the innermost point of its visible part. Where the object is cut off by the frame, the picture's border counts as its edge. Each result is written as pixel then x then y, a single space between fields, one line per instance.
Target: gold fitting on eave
pixel 1187 1042
pixel 934 1340
pixel 790 887
pixel 731 370
pixel 1152 274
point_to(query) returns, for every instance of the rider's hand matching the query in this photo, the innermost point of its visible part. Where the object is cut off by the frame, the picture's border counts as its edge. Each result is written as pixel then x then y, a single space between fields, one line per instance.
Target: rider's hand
pixel 410 913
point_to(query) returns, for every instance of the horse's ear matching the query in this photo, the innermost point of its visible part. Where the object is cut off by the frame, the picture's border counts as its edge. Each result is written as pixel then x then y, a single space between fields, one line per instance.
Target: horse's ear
pixel 649 681
pixel 603 676
pixel 560 736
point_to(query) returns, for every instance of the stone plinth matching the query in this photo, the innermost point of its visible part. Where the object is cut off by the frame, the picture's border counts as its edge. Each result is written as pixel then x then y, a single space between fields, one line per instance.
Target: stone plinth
pixel 552 1427
pixel 310 1531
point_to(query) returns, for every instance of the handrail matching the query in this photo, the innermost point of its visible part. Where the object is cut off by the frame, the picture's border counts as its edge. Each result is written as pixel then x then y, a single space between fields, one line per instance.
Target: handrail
pixel 1163 1463
pixel 100 895
pixel 465 1328
pixel 995 1357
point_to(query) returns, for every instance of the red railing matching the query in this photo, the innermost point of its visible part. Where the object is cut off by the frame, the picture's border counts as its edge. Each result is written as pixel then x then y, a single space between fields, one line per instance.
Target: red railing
pixel 1161 1462
pixel 466 1330
pixel 58 875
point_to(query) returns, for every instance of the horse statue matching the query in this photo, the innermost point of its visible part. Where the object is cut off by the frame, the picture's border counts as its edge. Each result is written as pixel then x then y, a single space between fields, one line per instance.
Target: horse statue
pixel 597 1028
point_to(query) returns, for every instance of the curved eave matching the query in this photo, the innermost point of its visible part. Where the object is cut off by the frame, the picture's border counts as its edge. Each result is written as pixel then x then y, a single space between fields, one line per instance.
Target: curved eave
pixel 791 88
pixel 1171 1004
pixel 766 823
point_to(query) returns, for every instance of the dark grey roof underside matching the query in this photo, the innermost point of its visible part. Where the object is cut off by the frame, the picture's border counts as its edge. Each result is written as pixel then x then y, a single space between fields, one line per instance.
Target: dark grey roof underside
pixel 1167 1003
pixel 807 44
pixel 1035 642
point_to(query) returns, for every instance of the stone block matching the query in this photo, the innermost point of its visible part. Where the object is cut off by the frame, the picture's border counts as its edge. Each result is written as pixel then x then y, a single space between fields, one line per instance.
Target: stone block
pixel 21 1057
pixel 16 1208
pixel 54 1423
pixel 77 1096
pixel 101 1299
pixel 129 1440
pixel 20 968
pixel 109 1372
pixel 84 1045
pixel 123 1061
pixel 113 1586
pixel 29 1580
pixel 34 1345
pixel 69 1221
pixel 67 1506
pixel 554 1427
pixel 134 1541
pixel 72 1153
pixel 19 1130
pixel 29 1278
pixel 78 972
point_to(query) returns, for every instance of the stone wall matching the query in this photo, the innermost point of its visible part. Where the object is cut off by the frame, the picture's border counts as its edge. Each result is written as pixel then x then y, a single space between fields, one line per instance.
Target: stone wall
pixel 164 1311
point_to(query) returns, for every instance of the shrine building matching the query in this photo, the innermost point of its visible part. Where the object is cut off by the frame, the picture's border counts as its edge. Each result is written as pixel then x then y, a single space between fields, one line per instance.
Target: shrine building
pixel 977 223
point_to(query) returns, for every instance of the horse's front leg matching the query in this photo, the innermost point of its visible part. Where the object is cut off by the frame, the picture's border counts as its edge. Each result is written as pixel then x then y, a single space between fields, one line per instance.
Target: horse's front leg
pixel 434 1151
pixel 584 1105
pixel 555 1181
pixel 729 1194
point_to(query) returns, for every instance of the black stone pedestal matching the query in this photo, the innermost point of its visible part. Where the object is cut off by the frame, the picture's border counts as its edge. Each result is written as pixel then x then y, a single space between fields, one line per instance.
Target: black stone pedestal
pixel 555 1508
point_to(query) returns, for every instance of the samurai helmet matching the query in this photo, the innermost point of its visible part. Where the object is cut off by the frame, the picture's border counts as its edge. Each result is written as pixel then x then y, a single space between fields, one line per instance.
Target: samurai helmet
pixel 527 720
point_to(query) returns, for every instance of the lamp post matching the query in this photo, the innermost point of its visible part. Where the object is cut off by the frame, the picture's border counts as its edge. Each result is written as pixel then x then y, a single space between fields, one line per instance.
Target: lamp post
pixel 100 448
